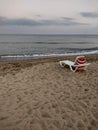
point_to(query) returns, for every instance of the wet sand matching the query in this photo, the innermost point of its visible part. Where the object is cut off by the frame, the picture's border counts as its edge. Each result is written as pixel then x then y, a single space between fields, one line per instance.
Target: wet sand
pixel 40 95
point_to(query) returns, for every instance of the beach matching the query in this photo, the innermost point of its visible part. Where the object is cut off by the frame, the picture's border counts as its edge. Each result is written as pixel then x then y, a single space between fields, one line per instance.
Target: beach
pixel 38 94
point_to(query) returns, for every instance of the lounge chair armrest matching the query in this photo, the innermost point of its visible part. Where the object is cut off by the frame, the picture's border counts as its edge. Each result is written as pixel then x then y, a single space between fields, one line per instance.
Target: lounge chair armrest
pixel 81 65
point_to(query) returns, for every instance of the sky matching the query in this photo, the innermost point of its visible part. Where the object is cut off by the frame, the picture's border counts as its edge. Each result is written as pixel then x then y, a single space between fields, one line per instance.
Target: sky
pixel 48 16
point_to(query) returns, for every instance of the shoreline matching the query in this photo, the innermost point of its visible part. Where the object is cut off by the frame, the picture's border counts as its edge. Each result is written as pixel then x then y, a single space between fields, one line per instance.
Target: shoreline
pixel 7 66
pixel 71 57
pixel 11 58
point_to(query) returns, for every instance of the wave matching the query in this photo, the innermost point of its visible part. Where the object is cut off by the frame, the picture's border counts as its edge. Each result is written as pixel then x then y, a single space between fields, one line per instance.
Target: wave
pixel 80 42
pixel 32 42
pixel 34 56
pixel 53 42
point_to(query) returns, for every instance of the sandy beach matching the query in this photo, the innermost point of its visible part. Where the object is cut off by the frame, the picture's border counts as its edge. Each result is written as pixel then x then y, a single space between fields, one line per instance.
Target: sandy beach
pixel 40 95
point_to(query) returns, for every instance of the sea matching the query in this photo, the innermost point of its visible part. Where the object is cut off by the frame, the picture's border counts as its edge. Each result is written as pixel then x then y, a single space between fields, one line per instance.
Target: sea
pixel 25 47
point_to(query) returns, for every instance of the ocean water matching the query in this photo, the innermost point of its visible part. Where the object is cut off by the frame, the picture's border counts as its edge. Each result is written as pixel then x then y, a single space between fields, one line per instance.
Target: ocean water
pixel 16 47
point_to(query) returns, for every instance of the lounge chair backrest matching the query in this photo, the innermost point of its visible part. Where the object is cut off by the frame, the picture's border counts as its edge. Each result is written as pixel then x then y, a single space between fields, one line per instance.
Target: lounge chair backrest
pixel 80 60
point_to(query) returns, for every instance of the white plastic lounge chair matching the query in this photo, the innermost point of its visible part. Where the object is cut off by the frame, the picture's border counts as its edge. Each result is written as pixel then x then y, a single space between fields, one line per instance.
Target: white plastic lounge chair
pixel 79 64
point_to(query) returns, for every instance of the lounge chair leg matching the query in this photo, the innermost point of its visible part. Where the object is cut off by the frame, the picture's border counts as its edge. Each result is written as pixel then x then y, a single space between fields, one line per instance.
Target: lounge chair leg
pixel 62 64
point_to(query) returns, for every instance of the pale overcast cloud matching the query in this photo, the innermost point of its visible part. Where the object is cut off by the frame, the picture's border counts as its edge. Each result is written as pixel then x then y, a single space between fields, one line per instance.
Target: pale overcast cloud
pixel 49 16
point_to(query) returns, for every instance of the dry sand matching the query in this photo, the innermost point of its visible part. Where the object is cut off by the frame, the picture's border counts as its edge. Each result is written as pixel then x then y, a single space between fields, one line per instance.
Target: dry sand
pixel 40 95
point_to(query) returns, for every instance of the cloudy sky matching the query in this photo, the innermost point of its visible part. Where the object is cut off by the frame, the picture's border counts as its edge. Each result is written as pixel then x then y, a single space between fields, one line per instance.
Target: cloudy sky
pixel 48 16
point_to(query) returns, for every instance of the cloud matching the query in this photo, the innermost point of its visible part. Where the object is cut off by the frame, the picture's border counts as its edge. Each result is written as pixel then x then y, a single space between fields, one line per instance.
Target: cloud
pixel 66 21
pixel 38 15
pixel 22 21
pixel 71 21
pixel 89 14
pixel 67 18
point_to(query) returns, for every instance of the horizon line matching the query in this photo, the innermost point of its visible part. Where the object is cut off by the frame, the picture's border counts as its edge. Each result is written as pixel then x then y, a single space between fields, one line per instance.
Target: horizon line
pixel 49 34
